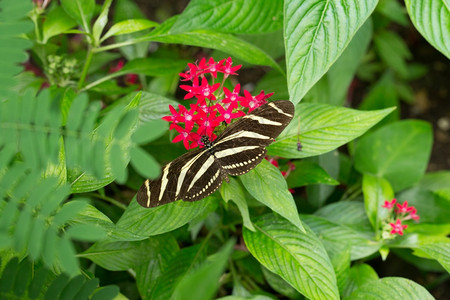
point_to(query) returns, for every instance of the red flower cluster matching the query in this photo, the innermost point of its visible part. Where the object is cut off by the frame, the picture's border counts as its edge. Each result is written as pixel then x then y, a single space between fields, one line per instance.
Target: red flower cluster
pixel 129 78
pixel 402 212
pixel 215 103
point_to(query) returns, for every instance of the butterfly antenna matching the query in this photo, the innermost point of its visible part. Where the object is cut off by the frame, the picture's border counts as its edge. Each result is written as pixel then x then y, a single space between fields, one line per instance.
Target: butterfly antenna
pixel 299 144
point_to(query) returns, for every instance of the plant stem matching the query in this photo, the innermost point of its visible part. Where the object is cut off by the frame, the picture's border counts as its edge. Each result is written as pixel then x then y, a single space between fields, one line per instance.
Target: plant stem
pixel 109 199
pixel 87 64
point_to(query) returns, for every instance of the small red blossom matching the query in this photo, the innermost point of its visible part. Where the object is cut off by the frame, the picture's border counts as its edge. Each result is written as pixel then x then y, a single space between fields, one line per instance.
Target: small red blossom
pixel 413 215
pixel 228 69
pixel 389 204
pixel 232 97
pixel 228 113
pixel 214 67
pixel 207 123
pixel 189 74
pixel 397 227
pixel 403 208
pixel 185 136
pixel 131 79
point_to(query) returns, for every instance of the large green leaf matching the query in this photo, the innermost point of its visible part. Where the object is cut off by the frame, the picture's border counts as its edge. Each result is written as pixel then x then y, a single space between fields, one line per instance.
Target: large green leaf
pixel 398 152
pixel 268 186
pixel 211 39
pixel 208 274
pixel 80 10
pixel 323 128
pixel 235 16
pixel 298 257
pixel 438 250
pixel 152 221
pixel 392 288
pixel 56 22
pixel 359 275
pixel 233 191
pixel 332 88
pixel 340 235
pixel 317 31
pixel 121 256
pixel 181 265
pixel 306 173
pixel 432 20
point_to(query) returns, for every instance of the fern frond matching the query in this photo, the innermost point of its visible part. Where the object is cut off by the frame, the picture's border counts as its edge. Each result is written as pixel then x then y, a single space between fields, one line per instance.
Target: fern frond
pixel 22 280
pixel 32 219
pixel 12 49
pixel 79 147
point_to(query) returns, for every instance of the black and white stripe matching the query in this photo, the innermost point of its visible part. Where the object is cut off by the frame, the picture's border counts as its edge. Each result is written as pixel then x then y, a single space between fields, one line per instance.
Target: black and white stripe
pixel 241 147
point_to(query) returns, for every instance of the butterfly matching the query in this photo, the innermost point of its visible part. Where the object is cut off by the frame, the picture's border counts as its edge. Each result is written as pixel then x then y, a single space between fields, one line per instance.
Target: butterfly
pixel 238 149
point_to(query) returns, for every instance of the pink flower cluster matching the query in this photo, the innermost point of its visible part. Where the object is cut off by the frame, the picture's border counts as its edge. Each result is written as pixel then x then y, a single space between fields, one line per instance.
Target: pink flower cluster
pixel 402 212
pixel 214 104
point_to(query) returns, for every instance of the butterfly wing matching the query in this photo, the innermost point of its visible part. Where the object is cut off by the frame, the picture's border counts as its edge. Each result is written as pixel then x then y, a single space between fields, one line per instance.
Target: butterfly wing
pixel 241 146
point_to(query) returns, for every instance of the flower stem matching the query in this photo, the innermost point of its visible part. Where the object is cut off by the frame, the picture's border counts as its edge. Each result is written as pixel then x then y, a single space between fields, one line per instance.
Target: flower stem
pixel 87 64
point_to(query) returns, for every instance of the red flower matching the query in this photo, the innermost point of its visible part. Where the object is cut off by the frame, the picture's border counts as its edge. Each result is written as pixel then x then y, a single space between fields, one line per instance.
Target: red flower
pixel 273 161
pixel 397 227
pixel 389 204
pixel 191 89
pixel 232 97
pixel 175 117
pixel 185 136
pixel 413 215
pixel 403 208
pixel 228 114
pixel 254 102
pixel 206 91
pixel 228 69
pixel 189 74
pixel 207 123
pixel 213 67
pixel 117 67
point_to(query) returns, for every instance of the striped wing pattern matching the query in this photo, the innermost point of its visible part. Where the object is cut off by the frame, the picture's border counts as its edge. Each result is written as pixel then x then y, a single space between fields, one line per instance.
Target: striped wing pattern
pixel 241 147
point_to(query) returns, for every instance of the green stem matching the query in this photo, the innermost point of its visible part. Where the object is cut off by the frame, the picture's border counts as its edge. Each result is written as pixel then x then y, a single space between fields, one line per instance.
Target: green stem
pixel 114 46
pixel 109 199
pixel 87 64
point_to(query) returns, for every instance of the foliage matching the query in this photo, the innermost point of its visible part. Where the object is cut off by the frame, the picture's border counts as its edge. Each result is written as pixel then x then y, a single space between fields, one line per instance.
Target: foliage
pixel 81 128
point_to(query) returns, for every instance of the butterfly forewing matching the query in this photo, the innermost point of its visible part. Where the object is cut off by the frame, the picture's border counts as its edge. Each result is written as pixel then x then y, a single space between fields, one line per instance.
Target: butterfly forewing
pixel 242 145
pixel 240 148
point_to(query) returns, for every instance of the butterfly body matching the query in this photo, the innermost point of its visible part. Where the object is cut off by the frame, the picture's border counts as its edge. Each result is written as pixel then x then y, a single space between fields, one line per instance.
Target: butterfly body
pixel 238 149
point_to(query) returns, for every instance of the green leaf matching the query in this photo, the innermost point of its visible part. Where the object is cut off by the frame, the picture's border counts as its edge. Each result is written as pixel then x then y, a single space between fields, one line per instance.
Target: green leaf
pixel 392 288
pixel 279 285
pixel 56 22
pixel 394 11
pixel 360 274
pixel 387 152
pixel 376 190
pixel 80 10
pixel 438 251
pixel 153 66
pixel 91 215
pixel 101 21
pixel 183 263
pixel 154 106
pixel 86 232
pixel 333 87
pixel 144 163
pixel 306 173
pixel 432 18
pixel 106 292
pixel 208 274
pixel 434 181
pixel 269 187
pixel 121 256
pixel 214 40
pixel 298 257
pixel 152 221
pixel 129 26
pixel 323 128
pixel 236 16
pixel 149 131
pixel 233 191
pixel 335 235
pixel 392 50
pixel 316 33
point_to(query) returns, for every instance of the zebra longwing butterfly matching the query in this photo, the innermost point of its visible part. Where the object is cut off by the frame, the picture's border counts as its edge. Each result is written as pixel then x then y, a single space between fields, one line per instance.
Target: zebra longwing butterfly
pixel 239 148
